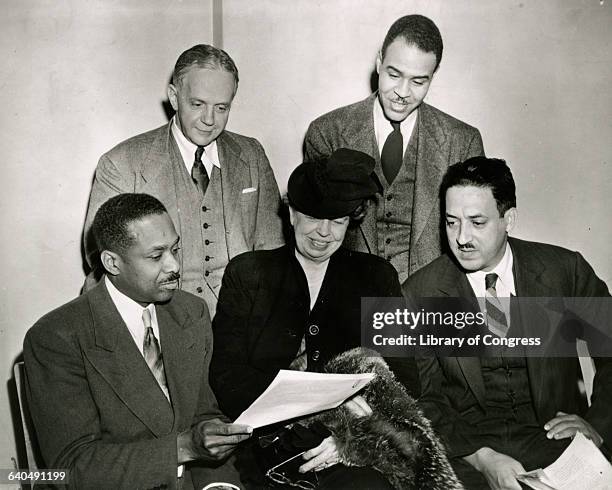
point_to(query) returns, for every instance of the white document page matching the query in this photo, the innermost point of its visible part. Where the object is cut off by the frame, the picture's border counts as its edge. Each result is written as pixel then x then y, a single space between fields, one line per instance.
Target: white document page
pixel 581 466
pixel 296 393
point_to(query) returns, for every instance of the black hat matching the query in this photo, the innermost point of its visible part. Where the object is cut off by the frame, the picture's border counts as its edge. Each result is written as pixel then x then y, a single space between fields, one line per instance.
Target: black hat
pixel 334 186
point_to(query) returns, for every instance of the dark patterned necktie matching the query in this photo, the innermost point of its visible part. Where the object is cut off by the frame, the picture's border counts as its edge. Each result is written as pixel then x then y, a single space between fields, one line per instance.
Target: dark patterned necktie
pixel 496 318
pixel 198 172
pixel 392 155
pixel 152 353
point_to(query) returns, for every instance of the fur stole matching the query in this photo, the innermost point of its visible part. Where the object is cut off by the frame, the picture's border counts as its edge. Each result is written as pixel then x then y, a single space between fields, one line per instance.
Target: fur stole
pixel 397 439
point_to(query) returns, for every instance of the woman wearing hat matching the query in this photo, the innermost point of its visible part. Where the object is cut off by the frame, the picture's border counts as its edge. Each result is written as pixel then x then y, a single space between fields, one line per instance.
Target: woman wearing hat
pixel 298 306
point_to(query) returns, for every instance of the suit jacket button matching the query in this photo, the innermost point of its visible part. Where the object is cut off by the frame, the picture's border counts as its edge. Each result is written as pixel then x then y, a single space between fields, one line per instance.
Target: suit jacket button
pixel 205 226
pixel 315 355
pixel 313 330
pixel 204 208
pixel 207 273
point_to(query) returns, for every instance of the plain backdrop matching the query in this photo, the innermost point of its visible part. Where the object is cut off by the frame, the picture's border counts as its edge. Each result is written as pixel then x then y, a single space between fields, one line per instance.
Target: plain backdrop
pixel 78 76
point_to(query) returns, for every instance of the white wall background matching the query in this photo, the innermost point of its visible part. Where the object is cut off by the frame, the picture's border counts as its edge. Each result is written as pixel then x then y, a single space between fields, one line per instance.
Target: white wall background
pixel 78 76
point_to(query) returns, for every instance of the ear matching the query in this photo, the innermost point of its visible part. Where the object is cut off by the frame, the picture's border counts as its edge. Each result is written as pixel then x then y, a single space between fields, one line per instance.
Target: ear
pixel 378 62
pixel 173 96
pixel 510 217
pixel 291 215
pixel 111 262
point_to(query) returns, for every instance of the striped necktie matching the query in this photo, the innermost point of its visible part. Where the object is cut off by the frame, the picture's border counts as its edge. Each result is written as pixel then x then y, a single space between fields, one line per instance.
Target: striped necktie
pixel 198 172
pixel 391 156
pixel 496 318
pixel 152 353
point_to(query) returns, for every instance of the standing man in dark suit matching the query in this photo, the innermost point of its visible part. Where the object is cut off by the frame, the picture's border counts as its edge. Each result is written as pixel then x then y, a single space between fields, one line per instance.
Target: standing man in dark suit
pixel 503 415
pixel 413 144
pixel 218 186
pixel 117 379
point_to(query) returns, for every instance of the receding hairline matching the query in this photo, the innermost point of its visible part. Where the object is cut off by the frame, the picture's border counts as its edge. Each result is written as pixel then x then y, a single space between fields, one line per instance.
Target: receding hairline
pixel 213 65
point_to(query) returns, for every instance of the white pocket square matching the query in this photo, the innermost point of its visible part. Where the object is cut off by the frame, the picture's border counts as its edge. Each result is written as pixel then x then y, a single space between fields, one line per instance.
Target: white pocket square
pixel 249 189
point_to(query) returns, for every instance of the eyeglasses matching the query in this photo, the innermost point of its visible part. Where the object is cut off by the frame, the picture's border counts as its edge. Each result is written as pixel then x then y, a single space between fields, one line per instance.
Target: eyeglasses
pixel 279 477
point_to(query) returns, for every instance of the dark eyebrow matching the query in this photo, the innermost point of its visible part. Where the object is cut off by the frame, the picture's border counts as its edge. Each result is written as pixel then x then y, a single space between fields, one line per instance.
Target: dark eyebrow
pixel 391 67
pixel 161 248
pixel 418 77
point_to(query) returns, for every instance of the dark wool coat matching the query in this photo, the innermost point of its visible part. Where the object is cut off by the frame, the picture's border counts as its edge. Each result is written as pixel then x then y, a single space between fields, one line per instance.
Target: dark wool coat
pixel 264 311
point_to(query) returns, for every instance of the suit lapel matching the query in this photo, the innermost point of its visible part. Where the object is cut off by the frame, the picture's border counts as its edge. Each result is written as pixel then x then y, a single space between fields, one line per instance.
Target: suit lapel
pixel 282 297
pixel 528 272
pixel 431 165
pixel 453 283
pixel 182 350
pixel 118 360
pixel 156 171
pixel 157 158
pixel 235 176
pixel 362 138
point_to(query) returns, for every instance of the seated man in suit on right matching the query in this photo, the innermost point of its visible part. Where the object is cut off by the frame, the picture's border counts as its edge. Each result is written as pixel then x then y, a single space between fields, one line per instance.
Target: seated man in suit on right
pixel 503 415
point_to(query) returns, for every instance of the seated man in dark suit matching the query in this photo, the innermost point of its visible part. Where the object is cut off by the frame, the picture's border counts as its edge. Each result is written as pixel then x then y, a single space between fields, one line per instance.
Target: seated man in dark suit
pixel 502 415
pixel 117 379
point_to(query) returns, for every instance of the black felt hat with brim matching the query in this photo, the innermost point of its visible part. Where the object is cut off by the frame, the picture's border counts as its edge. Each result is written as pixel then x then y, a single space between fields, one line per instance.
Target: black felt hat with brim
pixel 334 186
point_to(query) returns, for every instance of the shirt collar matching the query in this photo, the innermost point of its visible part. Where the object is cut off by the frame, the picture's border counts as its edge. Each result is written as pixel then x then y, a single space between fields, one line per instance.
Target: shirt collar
pixel 382 126
pixel 505 282
pixel 131 313
pixel 187 149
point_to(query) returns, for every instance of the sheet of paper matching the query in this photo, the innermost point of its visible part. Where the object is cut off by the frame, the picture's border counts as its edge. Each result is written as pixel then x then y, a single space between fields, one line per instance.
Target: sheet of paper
pixel 581 466
pixel 295 394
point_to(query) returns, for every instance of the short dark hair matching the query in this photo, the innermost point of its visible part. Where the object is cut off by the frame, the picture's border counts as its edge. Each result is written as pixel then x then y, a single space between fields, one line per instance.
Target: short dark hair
pixel 111 223
pixel 490 173
pixel 418 30
pixel 204 56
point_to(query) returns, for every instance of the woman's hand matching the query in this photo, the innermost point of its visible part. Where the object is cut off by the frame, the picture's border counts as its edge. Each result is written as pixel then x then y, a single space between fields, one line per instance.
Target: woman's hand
pixel 358 406
pixel 321 457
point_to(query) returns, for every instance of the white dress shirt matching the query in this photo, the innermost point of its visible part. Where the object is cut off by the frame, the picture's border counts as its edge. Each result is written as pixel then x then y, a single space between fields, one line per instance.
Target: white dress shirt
pixel 504 285
pixel 131 313
pixel 383 128
pixel 210 157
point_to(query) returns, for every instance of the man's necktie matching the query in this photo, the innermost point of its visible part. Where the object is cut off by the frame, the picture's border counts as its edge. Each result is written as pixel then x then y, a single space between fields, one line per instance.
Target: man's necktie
pixel 152 353
pixel 198 172
pixel 392 155
pixel 496 318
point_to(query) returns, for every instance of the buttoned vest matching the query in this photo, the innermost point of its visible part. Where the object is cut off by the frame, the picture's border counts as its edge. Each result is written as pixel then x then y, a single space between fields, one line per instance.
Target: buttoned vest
pixel 201 227
pixel 394 211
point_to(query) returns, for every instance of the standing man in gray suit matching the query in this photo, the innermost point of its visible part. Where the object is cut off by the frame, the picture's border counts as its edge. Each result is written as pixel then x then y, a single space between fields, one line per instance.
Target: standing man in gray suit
pixel 413 144
pixel 217 186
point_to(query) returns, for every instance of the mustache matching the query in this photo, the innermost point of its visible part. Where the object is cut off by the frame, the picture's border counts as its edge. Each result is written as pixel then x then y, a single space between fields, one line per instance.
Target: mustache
pixel 466 246
pixel 399 98
pixel 174 276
